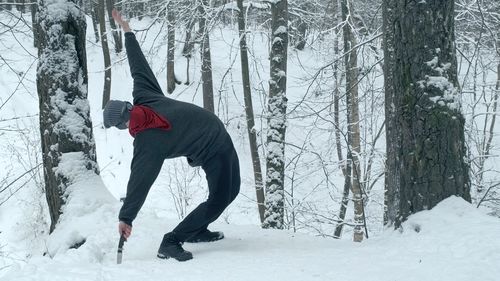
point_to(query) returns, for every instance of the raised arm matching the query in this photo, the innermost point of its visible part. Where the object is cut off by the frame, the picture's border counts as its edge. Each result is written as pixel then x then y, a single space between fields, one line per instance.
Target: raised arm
pixel 145 83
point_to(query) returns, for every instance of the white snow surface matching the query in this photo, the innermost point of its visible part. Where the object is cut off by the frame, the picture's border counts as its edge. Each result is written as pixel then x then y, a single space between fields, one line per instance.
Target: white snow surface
pixel 453 241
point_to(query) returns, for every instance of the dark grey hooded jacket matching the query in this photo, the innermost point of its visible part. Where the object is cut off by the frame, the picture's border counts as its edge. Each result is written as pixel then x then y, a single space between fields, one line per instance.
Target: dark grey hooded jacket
pixel 195 133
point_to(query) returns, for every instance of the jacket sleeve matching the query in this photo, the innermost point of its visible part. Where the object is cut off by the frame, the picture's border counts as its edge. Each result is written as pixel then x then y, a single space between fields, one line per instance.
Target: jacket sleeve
pixel 145 83
pixel 145 167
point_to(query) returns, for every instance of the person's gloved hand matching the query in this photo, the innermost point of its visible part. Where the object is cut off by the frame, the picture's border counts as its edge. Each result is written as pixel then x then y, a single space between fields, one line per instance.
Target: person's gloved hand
pixel 124 229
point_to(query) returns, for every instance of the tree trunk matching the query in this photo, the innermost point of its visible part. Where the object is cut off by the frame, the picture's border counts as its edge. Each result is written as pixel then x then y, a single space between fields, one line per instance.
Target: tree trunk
pixel 430 149
pixel 392 130
pixel 276 124
pixel 346 167
pixel 247 92
pixel 206 61
pixel 65 125
pixel 95 19
pixel 34 23
pixel 187 50
pixel 345 197
pixel 301 35
pixel 106 93
pixel 171 48
pixel 116 32
pixel 353 134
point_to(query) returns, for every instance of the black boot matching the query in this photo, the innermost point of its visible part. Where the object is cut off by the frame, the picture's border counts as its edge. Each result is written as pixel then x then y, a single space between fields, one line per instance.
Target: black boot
pixel 172 248
pixel 206 236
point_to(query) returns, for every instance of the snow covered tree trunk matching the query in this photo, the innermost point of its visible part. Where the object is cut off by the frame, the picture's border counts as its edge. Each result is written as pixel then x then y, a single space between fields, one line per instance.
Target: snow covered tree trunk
pixel 106 92
pixel 276 124
pixel 247 92
pixel 65 125
pixel 170 47
pixel 206 60
pixel 427 159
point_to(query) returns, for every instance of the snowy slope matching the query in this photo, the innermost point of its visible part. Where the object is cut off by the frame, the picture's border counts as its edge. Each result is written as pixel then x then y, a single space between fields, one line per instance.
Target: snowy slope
pixel 455 242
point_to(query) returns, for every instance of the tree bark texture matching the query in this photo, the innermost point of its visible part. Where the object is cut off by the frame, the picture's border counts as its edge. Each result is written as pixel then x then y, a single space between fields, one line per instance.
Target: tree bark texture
pixel 392 130
pixel 345 198
pixel 106 92
pixel 95 19
pixel 247 93
pixel 206 60
pixel 426 157
pixel 170 48
pixel 345 165
pixel 352 104
pixel 187 50
pixel 34 24
pixel 276 124
pixel 65 124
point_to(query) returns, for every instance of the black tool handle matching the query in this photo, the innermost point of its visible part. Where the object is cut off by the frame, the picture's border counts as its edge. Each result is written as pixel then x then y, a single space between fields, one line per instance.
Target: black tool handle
pixel 122 241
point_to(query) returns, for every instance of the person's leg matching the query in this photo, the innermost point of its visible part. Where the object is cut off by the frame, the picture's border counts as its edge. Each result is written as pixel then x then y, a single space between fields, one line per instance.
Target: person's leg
pixel 205 235
pixel 223 179
pixel 171 245
pixel 235 177
pixel 223 176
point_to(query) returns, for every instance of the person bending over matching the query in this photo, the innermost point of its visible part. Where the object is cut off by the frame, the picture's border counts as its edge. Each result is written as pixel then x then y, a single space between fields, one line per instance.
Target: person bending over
pixel 165 128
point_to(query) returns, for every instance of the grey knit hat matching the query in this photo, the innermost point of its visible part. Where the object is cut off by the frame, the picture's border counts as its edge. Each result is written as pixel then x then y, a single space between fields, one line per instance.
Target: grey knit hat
pixel 116 113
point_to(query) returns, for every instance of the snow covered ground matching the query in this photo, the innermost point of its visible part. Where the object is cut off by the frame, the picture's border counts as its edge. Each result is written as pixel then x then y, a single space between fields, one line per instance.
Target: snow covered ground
pixel 454 241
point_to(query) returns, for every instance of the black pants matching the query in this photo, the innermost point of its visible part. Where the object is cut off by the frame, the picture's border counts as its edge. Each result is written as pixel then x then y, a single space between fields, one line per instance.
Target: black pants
pixel 223 177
